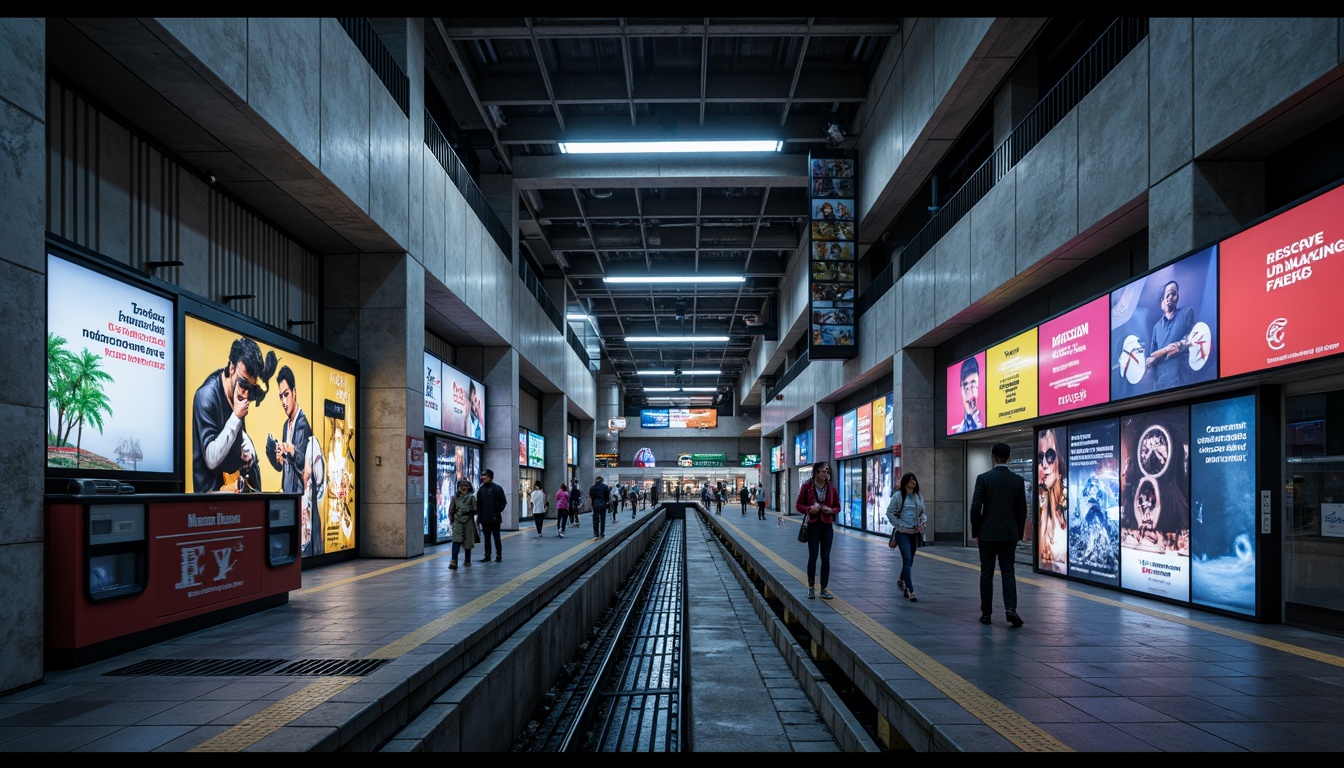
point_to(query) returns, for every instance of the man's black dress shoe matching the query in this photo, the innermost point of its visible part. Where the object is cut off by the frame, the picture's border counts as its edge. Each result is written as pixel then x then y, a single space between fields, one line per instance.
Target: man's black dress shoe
pixel 984 619
pixel 1014 619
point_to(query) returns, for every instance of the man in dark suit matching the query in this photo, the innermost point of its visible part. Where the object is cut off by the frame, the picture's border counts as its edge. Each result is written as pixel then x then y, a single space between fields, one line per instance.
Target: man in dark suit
pixel 998 522
pixel 490 504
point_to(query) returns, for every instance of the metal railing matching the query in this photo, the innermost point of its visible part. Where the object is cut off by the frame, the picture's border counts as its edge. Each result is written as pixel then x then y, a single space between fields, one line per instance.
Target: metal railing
pixel 457 173
pixel 385 66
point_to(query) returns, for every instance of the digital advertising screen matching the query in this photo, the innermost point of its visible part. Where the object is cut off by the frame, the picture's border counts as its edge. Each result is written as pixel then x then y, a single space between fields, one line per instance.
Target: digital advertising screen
pixel 644 458
pixel 838 437
pixel 111 365
pixel 863 428
pixel 1052 500
pixel 433 392
pixel 1155 503
pixel 802 448
pixel 776 458
pixel 966 395
pixel 654 418
pixel 572 453
pixel 463 404
pixel 1094 501
pixel 333 475
pixel 881 485
pixel 522 447
pixel 749 459
pixel 536 450
pixel 849 429
pixel 1280 287
pixel 445 467
pixel 693 418
pixel 882 423
pixel 1165 326
pixel 1011 386
pixel 832 279
pixel 1223 509
pixel 1072 358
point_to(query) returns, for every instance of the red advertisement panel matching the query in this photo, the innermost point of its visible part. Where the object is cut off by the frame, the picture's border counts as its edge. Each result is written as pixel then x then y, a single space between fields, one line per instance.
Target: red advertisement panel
pixel 966 395
pixel 864 426
pixel 1279 291
pixel 207 554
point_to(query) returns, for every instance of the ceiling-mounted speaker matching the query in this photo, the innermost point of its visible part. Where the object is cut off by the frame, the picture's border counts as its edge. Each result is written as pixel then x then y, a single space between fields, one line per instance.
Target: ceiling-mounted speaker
pixel 753 320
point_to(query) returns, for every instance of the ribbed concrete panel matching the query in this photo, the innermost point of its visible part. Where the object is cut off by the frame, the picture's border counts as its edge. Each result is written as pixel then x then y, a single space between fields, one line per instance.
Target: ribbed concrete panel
pixel 1288 54
pixel 1170 102
pixel 284 80
pixel 952 285
pixel 1046 208
pixel 1113 140
pixel 346 136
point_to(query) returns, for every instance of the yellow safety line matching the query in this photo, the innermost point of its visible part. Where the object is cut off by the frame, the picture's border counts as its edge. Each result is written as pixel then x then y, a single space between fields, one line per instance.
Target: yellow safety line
pixel 1023 733
pixel 288 709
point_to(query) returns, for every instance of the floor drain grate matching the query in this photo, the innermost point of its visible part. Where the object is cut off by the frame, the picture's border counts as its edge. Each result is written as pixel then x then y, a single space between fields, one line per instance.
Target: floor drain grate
pixel 200 667
pixel 218 667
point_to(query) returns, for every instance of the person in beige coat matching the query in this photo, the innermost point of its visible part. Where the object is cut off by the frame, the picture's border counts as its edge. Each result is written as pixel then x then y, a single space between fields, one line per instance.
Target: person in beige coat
pixel 463 515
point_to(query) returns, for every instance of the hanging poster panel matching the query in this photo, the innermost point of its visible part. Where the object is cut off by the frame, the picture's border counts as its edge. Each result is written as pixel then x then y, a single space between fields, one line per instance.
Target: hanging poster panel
pixel 433 392
pixel 1223 511
pixel 1155 503
pixel 1280 288
pixel 464 406
pixel 1072 358
pixel 111 363
pixel 832 282
pixel 863 428
pixel 1094 501
pixel 881 428
pixel 1164 328
pixel 445 467
pixel 849 433
pixel 1011 389
pixel 966 395
pixel 1052 500
pixel 776 458
pixel 802 449
pixel 880 489
pixel 536 450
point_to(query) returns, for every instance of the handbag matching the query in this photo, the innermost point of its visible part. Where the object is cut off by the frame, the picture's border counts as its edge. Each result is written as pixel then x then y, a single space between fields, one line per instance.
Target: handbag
pixel 891 540
pixel 802 532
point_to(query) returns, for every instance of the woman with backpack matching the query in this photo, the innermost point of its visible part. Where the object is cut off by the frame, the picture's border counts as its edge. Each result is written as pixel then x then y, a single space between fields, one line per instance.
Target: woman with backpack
pixel 905 511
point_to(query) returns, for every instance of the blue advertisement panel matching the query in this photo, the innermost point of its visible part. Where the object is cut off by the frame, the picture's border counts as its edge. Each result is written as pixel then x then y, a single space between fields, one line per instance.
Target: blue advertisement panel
pixel 1155 503
pixel 1094 503
pixel 656 418
pixel 1222 522
pixel 1164 328
pixel 802 449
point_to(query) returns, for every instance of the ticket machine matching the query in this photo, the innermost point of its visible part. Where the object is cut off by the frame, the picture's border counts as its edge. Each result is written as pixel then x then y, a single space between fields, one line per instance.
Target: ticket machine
pixel 128 570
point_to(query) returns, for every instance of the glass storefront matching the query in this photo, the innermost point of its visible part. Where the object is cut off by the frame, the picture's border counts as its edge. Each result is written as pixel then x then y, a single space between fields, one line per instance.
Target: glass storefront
pixel 1313 504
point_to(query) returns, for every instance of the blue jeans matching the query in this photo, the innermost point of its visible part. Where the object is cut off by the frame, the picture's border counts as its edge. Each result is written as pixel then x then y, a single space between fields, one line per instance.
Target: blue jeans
pixel 905 542
pixel 819 539
pixel 562 517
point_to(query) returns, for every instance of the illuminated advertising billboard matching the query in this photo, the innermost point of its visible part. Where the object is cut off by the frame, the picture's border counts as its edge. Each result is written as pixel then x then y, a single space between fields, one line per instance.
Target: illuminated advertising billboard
pixel 1052 500
pixel 848 438
pixel 452 462
pixel 881 423
pixel 776 458
pixel 572 454
pixel 522 447
pixel 1164 328
pixel 1155 503
pixel 1011 380
pixel 1094 501
pixel 1280 287
pixel 966 395
pixel 239 388
pixel 679 418
pixel 111 364
pixel 1223 509
pixel 802 449
pixel 1073 357
pixel 863 428
pixel 749 459
pixel 536 450
pixel 464 404
pixel 832 278
pixel 433 392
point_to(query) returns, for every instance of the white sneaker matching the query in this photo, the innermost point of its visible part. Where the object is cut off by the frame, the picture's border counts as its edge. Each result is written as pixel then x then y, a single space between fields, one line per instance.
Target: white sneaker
pixel 562 535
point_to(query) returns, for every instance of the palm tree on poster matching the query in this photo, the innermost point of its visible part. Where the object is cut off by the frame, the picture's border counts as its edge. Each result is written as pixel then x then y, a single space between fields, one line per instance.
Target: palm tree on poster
pixel 89 402
pixel 60 366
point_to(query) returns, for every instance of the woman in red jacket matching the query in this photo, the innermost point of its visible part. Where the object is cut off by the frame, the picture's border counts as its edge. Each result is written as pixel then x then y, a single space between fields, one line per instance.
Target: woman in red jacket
pixel 819 500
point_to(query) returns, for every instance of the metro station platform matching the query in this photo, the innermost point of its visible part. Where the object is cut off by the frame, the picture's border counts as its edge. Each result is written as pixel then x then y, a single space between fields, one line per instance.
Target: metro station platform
pixel 407 655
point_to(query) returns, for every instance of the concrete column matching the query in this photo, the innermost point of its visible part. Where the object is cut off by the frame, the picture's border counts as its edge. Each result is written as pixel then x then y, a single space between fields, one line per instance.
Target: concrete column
pixel 499 373
pixel 1201 202
pixel 391 344
pixel 555 427
pixel 588 431
pixel 23 402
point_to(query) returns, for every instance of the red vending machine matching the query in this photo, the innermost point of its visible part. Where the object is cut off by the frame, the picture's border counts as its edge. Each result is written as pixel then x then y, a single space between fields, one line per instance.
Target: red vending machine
pixel 125 571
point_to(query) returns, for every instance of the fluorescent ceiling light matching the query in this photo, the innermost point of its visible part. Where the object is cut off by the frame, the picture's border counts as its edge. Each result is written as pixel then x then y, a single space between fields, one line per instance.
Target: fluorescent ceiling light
pixel 676 339
pixel 681 389
pixel 620 147
pixel 674 398
pixel 678 279
pixel 705 372
pixel 576 316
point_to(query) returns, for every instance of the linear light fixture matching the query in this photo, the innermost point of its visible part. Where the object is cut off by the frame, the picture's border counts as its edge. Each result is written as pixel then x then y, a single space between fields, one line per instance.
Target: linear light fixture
pixel 681 389
pixel 687 398
pixel 676 339
pixel 578 316
pixel 679 372
pixel 644 279
pixel 622 147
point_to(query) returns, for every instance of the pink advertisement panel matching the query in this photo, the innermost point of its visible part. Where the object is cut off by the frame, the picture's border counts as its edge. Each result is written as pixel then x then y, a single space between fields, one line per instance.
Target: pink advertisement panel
pixel 966 395
pixel 1072 361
